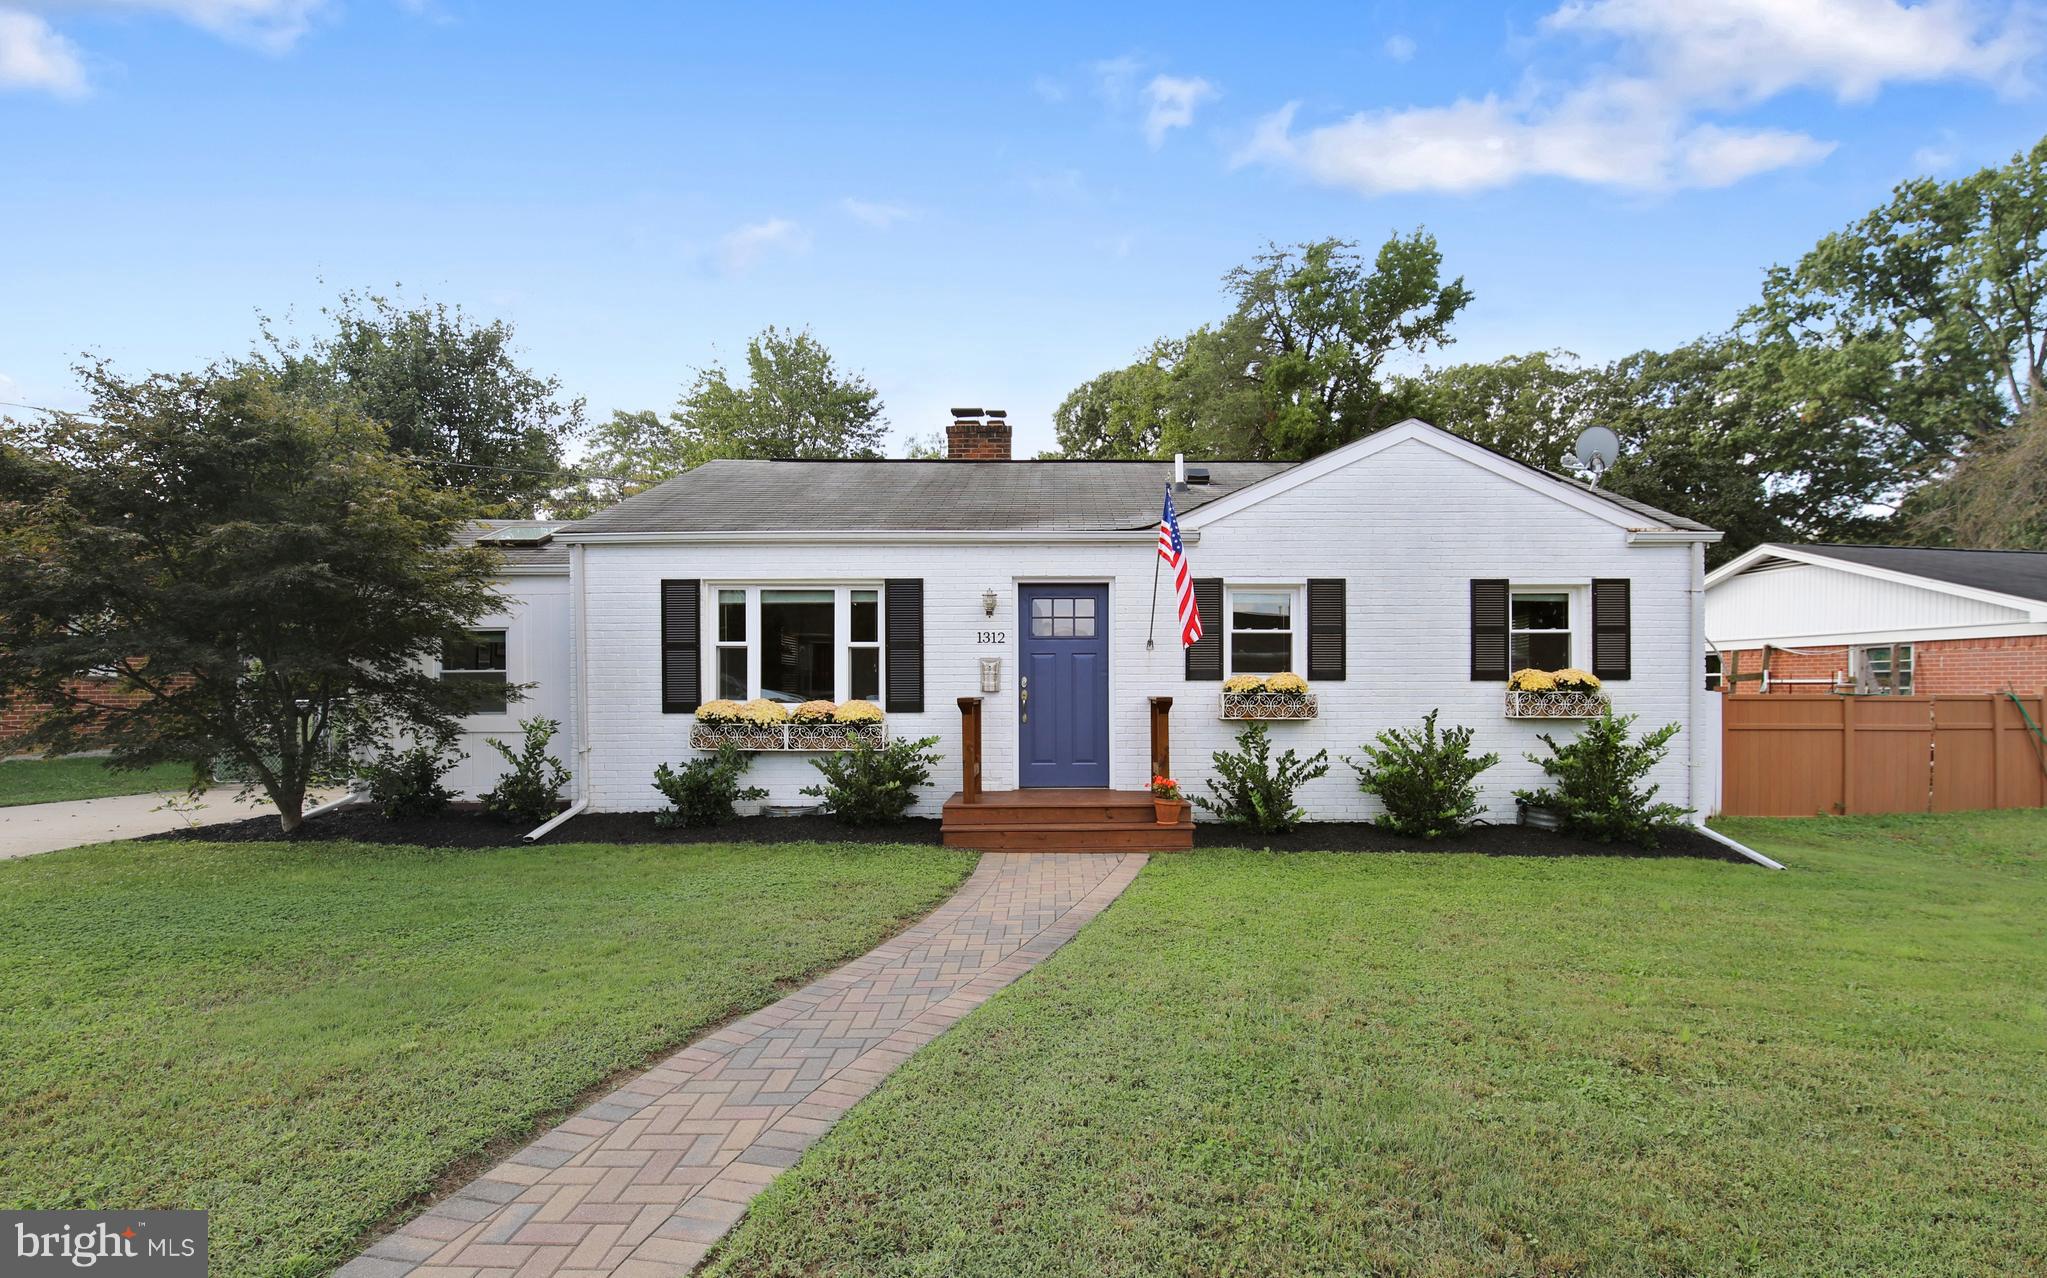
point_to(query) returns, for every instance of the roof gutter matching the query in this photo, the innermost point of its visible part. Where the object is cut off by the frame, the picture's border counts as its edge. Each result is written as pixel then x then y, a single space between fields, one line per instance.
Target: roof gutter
pixel 1671 536
pixel 882 536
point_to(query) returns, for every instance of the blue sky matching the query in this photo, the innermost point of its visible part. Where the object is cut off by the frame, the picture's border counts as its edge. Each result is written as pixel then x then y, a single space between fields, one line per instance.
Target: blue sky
pixel 968 207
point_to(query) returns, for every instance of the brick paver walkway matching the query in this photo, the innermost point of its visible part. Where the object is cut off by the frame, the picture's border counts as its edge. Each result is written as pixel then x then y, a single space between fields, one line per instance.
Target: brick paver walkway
pixel 643 1182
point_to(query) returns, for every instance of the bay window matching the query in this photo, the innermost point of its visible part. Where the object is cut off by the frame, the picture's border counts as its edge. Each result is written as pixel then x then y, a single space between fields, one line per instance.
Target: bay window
pixel 797 643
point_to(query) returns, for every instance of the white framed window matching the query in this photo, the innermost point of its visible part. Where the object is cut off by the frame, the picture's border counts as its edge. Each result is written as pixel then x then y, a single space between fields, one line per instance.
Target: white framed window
pixel 729 675
pixel 478 657
pixel 1713 672
pixel 1263 630
pixel 1539 628
pixel 796 642
pixel 1884 668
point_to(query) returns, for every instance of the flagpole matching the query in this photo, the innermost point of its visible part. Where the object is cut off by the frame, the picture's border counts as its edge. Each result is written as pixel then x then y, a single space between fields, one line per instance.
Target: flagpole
pixel 1151 624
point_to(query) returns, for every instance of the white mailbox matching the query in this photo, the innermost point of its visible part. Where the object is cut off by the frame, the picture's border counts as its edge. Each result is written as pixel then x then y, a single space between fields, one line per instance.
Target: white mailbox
pixel 991 674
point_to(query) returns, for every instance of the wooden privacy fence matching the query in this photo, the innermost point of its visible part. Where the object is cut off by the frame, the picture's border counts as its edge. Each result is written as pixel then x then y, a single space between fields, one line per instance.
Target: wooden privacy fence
pixel 1799 756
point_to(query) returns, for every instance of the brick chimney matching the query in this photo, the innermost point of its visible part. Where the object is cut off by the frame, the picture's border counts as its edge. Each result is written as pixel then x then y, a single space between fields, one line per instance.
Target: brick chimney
pixel 978 435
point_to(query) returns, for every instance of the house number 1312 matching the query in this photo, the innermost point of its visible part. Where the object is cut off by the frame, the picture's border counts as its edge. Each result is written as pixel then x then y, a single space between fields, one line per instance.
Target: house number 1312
pixel 991 636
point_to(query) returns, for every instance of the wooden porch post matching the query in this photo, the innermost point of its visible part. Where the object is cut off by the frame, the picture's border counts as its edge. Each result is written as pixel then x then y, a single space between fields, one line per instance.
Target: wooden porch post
pixel 1161 738
pixel 970 749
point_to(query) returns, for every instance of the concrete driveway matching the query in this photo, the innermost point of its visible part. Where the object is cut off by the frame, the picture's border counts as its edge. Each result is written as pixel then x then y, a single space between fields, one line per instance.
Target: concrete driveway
pixel 46 827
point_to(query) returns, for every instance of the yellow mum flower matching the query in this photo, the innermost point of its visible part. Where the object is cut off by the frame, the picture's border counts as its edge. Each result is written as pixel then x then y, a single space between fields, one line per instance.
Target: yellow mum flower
pixel 720 711
pixel 1244 683
pixel 1532 681
pixel 858 712
pixel 814 712
pixel 1288 683
pixel 1576 680
pixel 765 712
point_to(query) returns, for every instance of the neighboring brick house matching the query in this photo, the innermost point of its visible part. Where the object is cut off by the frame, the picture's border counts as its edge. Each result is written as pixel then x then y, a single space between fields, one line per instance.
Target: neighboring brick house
pixel 1879 619
pixel 19 714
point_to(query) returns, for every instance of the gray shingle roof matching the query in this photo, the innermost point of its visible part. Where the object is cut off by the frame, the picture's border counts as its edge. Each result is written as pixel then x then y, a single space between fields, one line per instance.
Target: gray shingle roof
pixel 2013 572
pixel 552 554
pixel 895 496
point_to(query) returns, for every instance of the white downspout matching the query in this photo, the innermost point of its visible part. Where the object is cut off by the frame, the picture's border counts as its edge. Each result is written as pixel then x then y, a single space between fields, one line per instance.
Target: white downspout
pixel 579 639
pixel 1695 688
pixel 1695 674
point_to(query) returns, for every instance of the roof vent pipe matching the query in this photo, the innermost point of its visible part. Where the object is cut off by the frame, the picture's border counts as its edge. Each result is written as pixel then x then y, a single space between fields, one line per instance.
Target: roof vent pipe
pixel 1180 472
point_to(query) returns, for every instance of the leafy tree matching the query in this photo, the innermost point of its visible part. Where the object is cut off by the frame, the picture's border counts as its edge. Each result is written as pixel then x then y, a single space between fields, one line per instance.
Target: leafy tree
pixel 796 403
pixel 1995 498
pixel 1530 407
pixel 633 451
pixel 448 391
pixel 1898 341
pixel 1696 440
pixel 257 564
pixel 1294 370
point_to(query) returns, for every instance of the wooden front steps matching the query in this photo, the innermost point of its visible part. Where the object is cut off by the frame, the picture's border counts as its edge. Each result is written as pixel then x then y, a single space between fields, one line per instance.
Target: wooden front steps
pixel 1061 821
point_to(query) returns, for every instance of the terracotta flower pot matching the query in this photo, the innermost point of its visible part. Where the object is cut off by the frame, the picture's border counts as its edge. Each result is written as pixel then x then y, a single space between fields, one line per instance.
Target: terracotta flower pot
pixel 1168 810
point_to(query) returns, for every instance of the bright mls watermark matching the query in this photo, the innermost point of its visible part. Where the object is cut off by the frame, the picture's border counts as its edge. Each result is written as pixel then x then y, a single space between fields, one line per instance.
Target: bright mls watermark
pixel 126 1244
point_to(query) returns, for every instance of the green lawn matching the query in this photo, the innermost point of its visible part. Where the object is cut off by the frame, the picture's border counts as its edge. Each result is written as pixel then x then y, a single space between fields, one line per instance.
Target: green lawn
pixel 303 1039
pixel 61 780
pixel 1261 1064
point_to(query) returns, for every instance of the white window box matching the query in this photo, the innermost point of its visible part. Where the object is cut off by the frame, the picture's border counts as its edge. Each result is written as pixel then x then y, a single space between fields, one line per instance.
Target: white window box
pixel 1555 705
pixel 1267 705
pixel 787 736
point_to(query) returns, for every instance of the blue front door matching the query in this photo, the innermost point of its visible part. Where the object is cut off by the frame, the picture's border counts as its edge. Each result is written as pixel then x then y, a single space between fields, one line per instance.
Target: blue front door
pixel 1062 685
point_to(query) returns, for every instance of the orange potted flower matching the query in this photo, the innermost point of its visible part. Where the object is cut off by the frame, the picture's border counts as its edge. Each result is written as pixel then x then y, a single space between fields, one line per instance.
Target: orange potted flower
pixel 1166 803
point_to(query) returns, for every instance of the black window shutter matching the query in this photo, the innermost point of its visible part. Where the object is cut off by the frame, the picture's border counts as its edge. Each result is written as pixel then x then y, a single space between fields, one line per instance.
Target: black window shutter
pixel 1612 633
pixel 1489 628
pixel 1326 628
pixel 903 603
pixel 682 667
pixel 1205 655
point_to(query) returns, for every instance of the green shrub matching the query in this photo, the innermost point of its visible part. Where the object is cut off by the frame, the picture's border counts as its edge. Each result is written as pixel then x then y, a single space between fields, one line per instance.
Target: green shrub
pixel 702 791
pixel 1597 782
pixel 407 783
pixel 1425 780
pixel 1251 791
pixel 874 785
pixel 532 790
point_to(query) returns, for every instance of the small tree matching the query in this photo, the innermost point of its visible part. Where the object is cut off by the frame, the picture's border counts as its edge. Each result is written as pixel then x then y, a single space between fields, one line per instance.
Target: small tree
pixel 1597 782
pixel 406 781
pixel 257 566
pixel 702 791
pixel 1425 780
pixel 874 785
pixel 1251 790
pixel 531 788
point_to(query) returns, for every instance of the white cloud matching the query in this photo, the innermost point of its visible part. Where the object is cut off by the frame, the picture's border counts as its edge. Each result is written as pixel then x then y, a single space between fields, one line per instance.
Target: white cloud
pixel 875 214
pixel 1169 103
pixel 741 250
pixel 32 56
pixel 1638 122
pixel 1933 159
pixel 1749 50
pixel 1048 89
pixel 272 25
pixel 1116 77
pixel 1400 48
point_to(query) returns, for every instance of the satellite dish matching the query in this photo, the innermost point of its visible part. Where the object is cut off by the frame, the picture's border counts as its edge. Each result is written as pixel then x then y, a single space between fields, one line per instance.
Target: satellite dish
pixel 1597 449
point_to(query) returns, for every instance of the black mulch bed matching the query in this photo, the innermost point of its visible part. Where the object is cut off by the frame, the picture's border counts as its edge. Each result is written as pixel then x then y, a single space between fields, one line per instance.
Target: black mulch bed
pixel 1488 840
pixel 463 828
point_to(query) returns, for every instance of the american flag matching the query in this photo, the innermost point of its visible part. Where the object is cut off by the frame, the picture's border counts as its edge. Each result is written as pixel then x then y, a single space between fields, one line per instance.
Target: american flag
pixel 1173 552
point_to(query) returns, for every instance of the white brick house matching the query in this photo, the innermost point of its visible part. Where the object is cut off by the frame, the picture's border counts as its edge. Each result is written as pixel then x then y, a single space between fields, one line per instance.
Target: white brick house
pixel 1435 563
